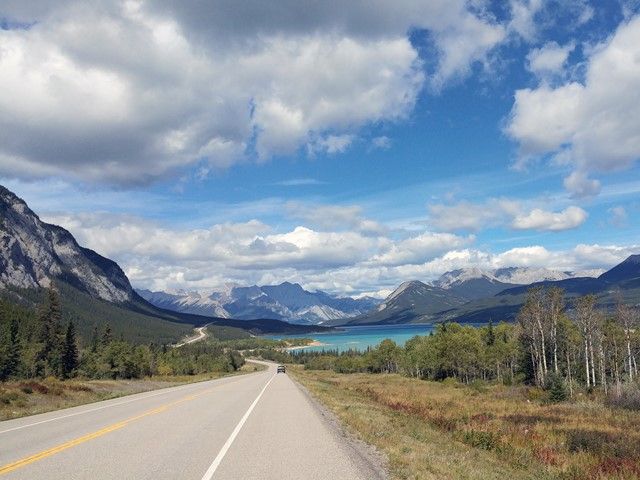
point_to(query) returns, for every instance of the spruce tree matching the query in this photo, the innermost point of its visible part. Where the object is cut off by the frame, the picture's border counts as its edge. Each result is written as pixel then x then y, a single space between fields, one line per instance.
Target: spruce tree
pixel 95 339
pixel 69 359
pixel 491 336
pixel 9 349
pixel 13 360
pixel 107 336
pixel 48 356
pixel 557 388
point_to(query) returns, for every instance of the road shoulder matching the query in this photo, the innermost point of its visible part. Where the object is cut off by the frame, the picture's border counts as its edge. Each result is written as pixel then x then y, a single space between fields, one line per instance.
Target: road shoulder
pixel 368 458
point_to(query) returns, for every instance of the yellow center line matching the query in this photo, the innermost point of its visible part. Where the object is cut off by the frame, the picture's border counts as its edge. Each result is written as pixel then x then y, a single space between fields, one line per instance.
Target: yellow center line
pixel 98 433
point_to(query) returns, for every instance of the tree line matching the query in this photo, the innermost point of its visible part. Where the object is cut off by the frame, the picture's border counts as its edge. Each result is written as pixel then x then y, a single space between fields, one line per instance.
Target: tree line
pixel 39 343
pixel 550 345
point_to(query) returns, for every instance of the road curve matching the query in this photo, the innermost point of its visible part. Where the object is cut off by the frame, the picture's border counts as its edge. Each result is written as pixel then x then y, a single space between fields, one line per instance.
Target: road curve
pixel 258 426
pixel 201 334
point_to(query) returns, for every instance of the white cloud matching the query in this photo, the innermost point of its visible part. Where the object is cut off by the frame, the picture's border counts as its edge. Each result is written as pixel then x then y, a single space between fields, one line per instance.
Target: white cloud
pixel 472 216
pixel 332 144
pixel 418 249
pixel 549 60
pixel 593 126
pixel 537 219
pixel 523 13
pixel 502 212
pixel 298 182
pixel 160 257
pixel 383 142
pixel 580 185
pixel 128 92
pixel 618 217
pixel 332 217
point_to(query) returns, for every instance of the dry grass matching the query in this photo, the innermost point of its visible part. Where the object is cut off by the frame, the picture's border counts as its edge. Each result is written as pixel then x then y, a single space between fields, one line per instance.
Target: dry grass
pixel 30 397
pixel 448 430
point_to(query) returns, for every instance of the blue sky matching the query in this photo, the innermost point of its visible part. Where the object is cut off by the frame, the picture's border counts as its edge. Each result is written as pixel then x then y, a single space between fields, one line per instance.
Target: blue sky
pixel 348 148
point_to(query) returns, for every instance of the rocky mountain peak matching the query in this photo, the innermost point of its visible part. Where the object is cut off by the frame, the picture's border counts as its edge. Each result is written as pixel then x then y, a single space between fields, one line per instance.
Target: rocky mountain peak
pixel 33 253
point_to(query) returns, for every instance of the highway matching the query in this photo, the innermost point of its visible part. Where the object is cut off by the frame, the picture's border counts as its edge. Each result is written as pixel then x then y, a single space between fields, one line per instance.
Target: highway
pixel 255 426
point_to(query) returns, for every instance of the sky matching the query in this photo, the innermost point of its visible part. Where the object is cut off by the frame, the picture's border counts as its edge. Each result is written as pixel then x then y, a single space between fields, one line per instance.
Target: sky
pixel 347 146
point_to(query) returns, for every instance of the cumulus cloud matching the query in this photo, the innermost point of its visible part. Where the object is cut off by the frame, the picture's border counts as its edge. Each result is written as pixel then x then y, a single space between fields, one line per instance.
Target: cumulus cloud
pixel 537 219
pixel 502 212
pixel 348 262
pixel 549 60
pixel 329 217
pixel 332 144
pixel 472 216
pixel 128 92
pixel 523 13
pixel 418 249
pixel 594 125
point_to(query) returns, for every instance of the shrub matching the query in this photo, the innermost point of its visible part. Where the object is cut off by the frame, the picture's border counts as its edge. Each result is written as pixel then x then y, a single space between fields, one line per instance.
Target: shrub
pixel 602 443
pixel 628 398
pixel 8 397
pixel 557 388
pixel 479 386
pixel 480 439
pixel 34 387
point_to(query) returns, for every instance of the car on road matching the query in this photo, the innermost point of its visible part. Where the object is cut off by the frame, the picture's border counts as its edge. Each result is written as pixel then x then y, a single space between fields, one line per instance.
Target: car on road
pixel 282 369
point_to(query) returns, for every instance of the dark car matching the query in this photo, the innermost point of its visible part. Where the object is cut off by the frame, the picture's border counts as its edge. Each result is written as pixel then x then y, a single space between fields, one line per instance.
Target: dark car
pixel 281 369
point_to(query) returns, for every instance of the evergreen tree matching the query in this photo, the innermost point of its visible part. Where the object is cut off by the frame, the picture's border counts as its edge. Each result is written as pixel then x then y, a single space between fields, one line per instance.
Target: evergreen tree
pixel 69 358
pixel 107 336
pixel 95 339
pixel 491 336
pixel 557 388
pixel 49 318
pixel 9 351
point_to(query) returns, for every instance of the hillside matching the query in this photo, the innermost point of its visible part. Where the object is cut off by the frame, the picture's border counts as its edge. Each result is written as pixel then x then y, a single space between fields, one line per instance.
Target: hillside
pixel 411 302
pixel 474 295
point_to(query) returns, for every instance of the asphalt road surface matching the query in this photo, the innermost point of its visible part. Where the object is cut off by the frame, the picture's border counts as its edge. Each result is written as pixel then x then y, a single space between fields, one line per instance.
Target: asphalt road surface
pixel 258 426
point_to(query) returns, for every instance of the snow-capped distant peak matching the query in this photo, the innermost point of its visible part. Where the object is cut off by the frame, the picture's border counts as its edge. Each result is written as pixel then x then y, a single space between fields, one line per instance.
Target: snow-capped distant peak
pixel 529 275
pixel 456 277
pixel 512 275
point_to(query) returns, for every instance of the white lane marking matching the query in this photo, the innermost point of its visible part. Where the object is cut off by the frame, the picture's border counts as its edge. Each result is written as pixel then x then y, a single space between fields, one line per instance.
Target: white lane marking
pixel 154 394
pixel 216 462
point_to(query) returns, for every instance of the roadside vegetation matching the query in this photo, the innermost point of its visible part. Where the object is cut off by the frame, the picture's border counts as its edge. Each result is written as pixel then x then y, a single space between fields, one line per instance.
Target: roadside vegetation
pixel 555 395
pixel 19 398
pixel 45 364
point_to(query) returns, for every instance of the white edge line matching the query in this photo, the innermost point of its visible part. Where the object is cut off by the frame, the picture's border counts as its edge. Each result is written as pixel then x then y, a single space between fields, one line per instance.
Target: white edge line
pixel 162 391
pixel 223 451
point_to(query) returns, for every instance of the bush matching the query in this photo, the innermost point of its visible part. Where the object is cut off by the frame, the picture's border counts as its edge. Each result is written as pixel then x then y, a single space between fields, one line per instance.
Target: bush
pixel 481 439
pixel 602 443
pixel 557 388
pixel 629 397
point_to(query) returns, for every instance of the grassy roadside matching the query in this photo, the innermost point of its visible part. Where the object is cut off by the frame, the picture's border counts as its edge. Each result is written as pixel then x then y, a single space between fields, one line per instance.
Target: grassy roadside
pixel 433 430
pixel 21 398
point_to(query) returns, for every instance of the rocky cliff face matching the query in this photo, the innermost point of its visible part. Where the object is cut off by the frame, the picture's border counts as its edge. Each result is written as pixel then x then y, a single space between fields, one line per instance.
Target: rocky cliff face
pixel 33 253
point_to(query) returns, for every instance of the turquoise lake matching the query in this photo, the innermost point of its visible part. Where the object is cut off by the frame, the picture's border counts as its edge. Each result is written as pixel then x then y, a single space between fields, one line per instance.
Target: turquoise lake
pixel 359 338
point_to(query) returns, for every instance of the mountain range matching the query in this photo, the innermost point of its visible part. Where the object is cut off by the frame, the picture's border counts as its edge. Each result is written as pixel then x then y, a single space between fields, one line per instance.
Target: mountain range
pixel 286 301
pixel 93 290
pixel 413 301
pixel 474 295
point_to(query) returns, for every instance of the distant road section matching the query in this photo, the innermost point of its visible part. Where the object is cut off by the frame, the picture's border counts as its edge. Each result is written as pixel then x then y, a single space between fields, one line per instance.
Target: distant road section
pixel 259 426
pixel 201 334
